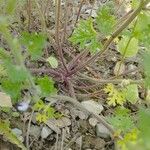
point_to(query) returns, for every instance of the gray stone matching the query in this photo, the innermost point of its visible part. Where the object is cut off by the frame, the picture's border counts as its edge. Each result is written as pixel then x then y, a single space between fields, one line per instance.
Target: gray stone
pixel 92 106
pixel 82 115
pixel 34 118
pixel 132 67
pixel 17 131
pixel 79 141
pixel 46 131
pixel 93 122
pixel 102 131
pixel 56 124
pixel 35 131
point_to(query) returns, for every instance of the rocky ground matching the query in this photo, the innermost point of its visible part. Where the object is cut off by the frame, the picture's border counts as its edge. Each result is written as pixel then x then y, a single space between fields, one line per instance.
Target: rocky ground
pixel 75 130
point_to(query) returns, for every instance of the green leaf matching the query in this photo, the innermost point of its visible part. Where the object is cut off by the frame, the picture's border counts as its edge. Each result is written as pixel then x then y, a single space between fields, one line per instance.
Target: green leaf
pixel 135 3
pixel 34 43
pixel 144 125
pixel 10 6
pixel 115 96
pixel 145 63
pixel 142 30
pixel 3 72
pixel 13 89
pixel 39 105
pixel 130 139
pixel 127 47
pixel 46 86
pixel 121 120
pixel 15 72
pixel 131 93
pixel 105 20
pixel 7 133
pixel 52 61
pixel 4 54
pixel 86 36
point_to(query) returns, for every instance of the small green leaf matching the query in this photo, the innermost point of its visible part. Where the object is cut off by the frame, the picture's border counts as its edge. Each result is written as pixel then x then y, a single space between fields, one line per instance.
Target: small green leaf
pixel 39 105
pixel 10 6
pixel 105 20
pixel 135 3
pixel 15 72
pixel 131 93
pixel 121 120
pixel 13 89
pixel 34 43
pixel 3 72
pixel 52 61
pixel 145 63
pixel 115 96
pixel 128 48
pixel 46 85
pixel 142 29
pixel 86 36
pixel 4 55
pixel 144 124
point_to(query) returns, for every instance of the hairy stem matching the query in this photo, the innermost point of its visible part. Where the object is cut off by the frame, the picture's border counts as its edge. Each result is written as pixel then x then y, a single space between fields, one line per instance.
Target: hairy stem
pixel 57 35
pixel 78 15
pixel 115 81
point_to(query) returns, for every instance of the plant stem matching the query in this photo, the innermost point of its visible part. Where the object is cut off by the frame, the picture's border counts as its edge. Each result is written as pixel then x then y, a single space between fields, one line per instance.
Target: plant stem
pixel 42 18
pixel 57 35
pixel 115 81
pixel 66 21
pixel 45 71
pixel 80 7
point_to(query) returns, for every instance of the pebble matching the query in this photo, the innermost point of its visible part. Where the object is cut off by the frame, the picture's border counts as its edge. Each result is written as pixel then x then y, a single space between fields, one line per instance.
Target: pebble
pixel 34 118
pixel 119 68
pixel 17 131
pixel 46 131
pixel 56 124
pixel 102 131
pixel 82 115
pixel 93 106
pixel 132 67
pixel 79 141
pixel 35 131
pixel 93 122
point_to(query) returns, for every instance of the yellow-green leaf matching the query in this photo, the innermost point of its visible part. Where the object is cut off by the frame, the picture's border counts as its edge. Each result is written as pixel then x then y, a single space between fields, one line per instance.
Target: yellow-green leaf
pixel 127 47
pixel 131 93
pixel 52 61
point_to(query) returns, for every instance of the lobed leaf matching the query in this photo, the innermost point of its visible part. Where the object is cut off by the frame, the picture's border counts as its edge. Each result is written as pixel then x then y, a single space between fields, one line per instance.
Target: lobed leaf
pixel 46 86
pixel 105 20
pixel 34 42
pixel 86 36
